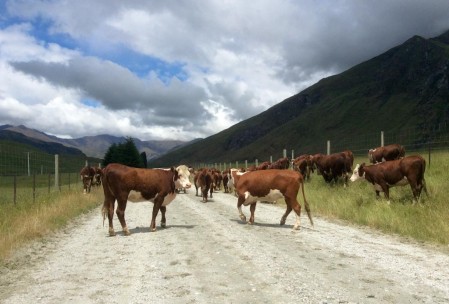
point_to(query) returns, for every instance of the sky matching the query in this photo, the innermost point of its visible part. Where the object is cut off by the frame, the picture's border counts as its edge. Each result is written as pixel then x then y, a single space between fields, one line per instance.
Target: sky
pixel 184 69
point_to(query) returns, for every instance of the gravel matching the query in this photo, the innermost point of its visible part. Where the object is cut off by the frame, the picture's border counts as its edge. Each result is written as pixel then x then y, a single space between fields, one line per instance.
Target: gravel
pixel 207 255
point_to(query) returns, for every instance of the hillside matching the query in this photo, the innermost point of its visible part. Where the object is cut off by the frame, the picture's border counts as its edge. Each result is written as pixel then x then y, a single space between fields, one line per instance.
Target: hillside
pixel 407 86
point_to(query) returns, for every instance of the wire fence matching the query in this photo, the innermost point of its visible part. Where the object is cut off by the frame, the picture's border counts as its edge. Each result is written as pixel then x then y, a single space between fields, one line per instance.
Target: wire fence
pixel 27 173
pixel 423 140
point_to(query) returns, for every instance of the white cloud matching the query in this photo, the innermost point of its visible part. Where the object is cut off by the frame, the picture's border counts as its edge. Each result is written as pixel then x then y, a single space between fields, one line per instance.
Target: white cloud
pixel 237 58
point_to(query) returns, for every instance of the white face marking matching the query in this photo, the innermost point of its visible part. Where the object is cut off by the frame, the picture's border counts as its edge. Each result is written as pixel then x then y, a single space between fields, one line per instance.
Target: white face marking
pixel 355 174
pixel 272 196
pixel 184 177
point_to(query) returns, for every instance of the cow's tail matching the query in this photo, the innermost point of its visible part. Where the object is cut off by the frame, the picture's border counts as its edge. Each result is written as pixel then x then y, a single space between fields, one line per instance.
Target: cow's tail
pixel 306 204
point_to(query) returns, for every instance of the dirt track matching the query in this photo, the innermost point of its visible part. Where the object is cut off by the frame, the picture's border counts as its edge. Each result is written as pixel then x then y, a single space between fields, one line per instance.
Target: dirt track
pixel 207 255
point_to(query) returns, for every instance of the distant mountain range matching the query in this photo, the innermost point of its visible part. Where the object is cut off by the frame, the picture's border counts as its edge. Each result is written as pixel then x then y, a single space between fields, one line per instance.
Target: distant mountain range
pixel 92 146
pixel 405 87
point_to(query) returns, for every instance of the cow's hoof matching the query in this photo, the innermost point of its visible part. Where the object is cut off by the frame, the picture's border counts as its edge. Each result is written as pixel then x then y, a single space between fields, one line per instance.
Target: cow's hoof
pixel 282 223
pixel 243 218
pixel 111 232
pixel 296 227
pixel 163 225
pixel 153 229
pixel 126 232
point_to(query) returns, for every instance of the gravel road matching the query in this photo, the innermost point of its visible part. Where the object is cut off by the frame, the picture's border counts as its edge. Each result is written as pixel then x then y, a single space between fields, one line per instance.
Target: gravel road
pixel 207 255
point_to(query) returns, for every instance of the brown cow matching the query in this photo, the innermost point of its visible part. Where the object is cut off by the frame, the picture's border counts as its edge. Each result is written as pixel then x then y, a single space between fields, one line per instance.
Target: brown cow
pixel 303 164
pixel 87 174
pixel 389 152
pixel 203 180
pixel 333 166
pixel 157 185
pixel 281 163
pixel 270 185
pixel 408 170
pixel 97 176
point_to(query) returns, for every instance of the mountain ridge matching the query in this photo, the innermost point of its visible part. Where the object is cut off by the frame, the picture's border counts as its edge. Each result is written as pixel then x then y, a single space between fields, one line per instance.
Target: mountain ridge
pixel 408 85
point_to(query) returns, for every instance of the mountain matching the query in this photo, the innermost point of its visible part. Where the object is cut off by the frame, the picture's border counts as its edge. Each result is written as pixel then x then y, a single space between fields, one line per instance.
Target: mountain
pixel 45 146
pixel 92 146
pixel 407 86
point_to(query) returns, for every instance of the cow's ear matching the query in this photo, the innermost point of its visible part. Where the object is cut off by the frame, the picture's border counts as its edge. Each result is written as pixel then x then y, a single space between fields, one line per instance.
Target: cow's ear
pixel 172 169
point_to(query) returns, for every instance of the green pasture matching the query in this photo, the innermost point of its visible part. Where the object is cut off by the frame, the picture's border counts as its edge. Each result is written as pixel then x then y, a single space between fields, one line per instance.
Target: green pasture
pixel 427 221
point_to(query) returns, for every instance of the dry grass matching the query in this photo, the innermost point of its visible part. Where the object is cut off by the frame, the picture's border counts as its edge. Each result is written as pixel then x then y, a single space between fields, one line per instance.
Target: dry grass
pixel 26 221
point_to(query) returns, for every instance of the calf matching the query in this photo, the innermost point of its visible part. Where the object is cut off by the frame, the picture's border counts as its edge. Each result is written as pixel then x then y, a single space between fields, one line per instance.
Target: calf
pixel 389 152
pixel 270 185
pixel 157 185
pixel 408 170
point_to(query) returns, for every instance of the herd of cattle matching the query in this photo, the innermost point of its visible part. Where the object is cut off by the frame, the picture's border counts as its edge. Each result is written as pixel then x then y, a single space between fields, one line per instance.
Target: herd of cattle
pixel 266 182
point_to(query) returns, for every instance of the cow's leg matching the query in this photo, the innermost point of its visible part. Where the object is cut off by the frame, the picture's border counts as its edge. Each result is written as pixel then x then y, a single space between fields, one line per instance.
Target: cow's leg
pixel 163 220
pixel 157 205
pixel 108 209
pixel 240 202
pixel 386 191
pixel 121 207
pixel 211 190
pixel 297 208
pixel 252 209
pixel 287 212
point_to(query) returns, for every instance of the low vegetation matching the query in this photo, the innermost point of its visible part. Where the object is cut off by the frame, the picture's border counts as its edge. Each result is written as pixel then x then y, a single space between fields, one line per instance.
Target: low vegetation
pixel 26 221
pixel 427 221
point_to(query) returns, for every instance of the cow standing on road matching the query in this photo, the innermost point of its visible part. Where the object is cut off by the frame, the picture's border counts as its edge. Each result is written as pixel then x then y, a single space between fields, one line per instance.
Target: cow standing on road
pixel 156 185
pixel 271 185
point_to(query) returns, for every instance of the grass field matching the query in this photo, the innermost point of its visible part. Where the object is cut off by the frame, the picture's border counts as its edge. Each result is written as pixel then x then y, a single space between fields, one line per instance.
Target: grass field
pixel 427 221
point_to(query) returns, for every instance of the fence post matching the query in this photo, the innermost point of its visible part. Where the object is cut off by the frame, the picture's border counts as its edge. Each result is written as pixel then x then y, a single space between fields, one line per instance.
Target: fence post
pixel 284 153
pixel 15 189
pixel 382 141
pixel 34 188
pixel 56 171
pixel 328 147
pixel 257 162
pixel 246 164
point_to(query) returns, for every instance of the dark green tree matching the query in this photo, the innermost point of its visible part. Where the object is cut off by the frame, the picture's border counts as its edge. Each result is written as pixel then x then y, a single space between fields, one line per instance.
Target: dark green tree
pixel 124 153
pixel 143 156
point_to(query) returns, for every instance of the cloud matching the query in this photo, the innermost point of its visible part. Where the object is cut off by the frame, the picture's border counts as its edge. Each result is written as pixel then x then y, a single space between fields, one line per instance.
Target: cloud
pixel 180 70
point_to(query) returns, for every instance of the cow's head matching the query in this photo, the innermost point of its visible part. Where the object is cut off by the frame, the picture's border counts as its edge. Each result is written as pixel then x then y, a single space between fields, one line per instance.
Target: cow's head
pixel 358 172
pixel 183 180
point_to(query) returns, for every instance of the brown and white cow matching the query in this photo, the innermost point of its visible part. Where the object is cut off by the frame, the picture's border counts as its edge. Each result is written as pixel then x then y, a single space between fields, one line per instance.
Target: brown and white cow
pixel 406 171
pixel 156 185
pixel 203 180
pixel 389 152
pixel 87 174
pixel 271 185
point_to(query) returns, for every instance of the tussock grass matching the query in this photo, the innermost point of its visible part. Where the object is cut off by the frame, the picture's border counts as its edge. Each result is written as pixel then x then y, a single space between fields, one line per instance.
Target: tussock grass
pixel 26 221
pixel 427 221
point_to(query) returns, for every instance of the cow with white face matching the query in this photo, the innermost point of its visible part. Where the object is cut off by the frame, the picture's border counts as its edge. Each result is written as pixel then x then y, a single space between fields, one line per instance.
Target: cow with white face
pixel 406 171
pixel 183 181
